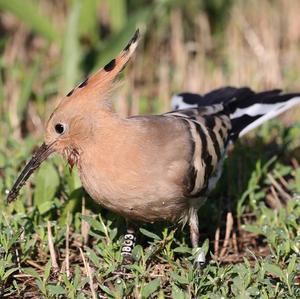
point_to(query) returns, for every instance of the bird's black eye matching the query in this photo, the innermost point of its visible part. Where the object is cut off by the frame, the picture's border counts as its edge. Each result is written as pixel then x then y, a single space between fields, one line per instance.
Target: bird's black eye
pixel 60 128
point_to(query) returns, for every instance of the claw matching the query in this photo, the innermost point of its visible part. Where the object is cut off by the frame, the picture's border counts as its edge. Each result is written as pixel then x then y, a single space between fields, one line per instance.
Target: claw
pixel 199 261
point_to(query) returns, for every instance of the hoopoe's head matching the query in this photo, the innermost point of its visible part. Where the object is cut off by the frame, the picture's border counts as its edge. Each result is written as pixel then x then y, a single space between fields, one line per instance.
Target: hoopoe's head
pixel 74 117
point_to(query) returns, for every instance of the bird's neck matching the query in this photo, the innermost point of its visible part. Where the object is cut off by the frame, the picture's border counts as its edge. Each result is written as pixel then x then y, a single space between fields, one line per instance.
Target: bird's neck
pixel 106 140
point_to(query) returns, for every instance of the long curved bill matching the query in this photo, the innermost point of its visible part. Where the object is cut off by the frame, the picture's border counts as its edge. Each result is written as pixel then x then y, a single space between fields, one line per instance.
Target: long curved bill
pixel 38 157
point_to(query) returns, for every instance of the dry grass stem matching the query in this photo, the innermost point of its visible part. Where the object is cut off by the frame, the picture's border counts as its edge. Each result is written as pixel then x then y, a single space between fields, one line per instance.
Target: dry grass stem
pixel 282 180
pixel 85 227
pixel 67 260
pixel 280 190
pixel 235 243
pixel 216 242
pixel 229 226
pixel 88 274
pixel 51 248
pixel 273 199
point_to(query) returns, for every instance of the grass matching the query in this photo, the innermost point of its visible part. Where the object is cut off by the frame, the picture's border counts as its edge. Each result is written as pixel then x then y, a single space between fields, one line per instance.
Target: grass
pixel 260 259
pixel 55 242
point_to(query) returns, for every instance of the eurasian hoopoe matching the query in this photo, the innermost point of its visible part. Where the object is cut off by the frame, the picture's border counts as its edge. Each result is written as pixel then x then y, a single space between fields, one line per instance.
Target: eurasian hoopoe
pixel 149 168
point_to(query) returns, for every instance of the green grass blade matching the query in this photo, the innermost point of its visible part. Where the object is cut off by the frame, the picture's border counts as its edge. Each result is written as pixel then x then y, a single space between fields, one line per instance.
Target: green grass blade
pixel 27 86
pixel 2 94
pixel 88 19
pixel 28 12
pixel 3 112
pixel 71 50
pixel 150 288
pixel 118 14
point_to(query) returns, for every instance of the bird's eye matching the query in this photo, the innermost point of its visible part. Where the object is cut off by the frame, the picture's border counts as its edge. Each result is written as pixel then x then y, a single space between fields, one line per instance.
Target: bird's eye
pixel 60 128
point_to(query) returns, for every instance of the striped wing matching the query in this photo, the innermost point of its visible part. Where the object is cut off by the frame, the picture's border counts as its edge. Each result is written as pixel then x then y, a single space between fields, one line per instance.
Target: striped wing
pixel 247 109
pixel 209 129
pixel 220 116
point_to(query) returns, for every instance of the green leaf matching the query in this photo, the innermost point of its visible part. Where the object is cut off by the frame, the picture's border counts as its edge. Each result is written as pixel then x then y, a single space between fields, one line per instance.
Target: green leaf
pixel 93 222
pixel 47 182
pixel 72 178
pixel 137 252
pixel 292 265
pixel 178 278
pixel 106 290
pixel 149 234
pixel 274 269
pixel 74 203
pixel 94 258
pixel 183 249
pixel 32 272
pixel 177 293
pixel 252 229
pixel 56 290
pixel 46 206
pixel 150 288
pixel 28 13
pixel 205 246
pixel 8 273
pixel 47 270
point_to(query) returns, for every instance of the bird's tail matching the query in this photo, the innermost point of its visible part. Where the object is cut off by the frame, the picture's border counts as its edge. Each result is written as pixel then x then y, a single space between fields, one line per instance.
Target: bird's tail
pixel 247 109
pixel 247 114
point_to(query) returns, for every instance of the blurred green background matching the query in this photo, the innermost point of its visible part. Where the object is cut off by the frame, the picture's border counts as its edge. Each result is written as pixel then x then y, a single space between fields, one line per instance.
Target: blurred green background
pixel 49 46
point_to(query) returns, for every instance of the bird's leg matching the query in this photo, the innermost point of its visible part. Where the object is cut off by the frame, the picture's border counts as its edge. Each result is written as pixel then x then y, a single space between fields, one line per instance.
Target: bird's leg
pixel 194 235
pixel 128 244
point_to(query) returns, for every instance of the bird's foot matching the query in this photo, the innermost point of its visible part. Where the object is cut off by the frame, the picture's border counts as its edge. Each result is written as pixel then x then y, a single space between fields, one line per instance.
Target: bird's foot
pixel 127 246
pixel 122 269
pixel 127 259
pixel 199 261
pixel 126 250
